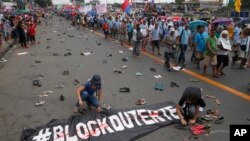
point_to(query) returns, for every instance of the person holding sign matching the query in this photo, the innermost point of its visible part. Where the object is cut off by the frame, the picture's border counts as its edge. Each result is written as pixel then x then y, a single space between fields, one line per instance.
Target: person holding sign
pixel 222 54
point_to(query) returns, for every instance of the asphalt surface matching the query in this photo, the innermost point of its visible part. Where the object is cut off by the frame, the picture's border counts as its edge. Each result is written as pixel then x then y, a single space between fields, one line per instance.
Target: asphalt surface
pixel 18 95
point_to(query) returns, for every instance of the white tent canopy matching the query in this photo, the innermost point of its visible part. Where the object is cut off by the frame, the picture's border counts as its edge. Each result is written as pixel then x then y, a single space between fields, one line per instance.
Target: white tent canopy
pixel 61 2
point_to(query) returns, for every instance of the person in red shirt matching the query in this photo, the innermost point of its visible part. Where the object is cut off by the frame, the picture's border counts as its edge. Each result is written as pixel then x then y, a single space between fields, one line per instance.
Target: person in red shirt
pixel 32 33
pixel 105 28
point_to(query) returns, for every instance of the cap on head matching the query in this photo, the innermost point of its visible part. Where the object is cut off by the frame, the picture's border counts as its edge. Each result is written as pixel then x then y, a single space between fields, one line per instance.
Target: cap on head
pixel 96 79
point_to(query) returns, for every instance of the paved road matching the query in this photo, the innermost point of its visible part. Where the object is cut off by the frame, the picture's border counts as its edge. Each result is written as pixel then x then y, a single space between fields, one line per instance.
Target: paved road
pixel 18 96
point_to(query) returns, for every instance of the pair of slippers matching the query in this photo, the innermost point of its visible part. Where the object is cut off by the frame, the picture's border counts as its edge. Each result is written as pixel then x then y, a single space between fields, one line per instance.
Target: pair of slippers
pixel 67 54
pixel 40 103
pixel 37 83
pixel 118 71
pixel 141 101
pixel 200 129
pixel 66 72
pixel 173 84
pixel 125 59
pixel 159 86
pixel 124 90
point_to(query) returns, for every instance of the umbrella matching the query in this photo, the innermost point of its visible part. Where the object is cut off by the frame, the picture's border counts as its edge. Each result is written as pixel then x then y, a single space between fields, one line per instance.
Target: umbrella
pixel 194 24
pixel 224 21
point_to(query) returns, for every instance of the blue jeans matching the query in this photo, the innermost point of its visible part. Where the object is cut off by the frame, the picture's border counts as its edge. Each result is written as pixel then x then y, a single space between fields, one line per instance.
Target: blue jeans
pixel 90 99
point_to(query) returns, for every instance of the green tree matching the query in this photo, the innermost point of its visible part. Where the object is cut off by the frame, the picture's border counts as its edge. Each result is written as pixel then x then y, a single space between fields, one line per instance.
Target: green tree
pixel 43 3
pixel 179 2
pixel 245 4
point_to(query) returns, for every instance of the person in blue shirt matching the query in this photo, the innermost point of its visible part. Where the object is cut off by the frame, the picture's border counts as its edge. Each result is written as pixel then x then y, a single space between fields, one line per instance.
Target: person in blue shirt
pixel 184 37
pixel 130 29
pixel 116 26
pixel 200 44
pixel 90 93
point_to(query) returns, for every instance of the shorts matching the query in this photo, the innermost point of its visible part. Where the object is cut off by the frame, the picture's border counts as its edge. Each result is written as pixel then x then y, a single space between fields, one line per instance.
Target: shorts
pixel 32 38
pixel 243 54
pixel 209 59
pixel 199 55
pixel 222 59
pixel 155 43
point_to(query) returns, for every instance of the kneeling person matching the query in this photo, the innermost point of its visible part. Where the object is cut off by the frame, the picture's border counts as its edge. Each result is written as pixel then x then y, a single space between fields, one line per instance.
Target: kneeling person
pixel 189 105
pixel 86 93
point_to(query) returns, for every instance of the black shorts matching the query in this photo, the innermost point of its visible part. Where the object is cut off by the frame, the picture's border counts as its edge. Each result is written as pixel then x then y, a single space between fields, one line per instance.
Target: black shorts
pixel 222 59
pixel 155 43
pixel 32 38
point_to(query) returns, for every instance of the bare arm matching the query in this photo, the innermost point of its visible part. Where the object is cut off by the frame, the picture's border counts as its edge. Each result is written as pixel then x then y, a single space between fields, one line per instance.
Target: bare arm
pixel 78 92
pixel 99 94
pixel 178 110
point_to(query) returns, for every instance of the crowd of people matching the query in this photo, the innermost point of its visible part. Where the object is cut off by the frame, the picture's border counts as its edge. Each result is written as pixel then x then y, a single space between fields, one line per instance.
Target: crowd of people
pixel 20 26
pixel 213 43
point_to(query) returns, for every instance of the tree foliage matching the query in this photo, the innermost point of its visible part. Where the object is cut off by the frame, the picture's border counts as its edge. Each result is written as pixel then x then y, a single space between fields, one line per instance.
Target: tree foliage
pixel 43 3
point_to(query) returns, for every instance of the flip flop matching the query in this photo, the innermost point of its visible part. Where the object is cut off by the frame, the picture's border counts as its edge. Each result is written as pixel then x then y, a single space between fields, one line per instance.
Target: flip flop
pixel 140 102
pixel 197 127
pixel 124 90
pixel 161 87
pixel 40 103
pixel 153 69
pixel 219 120
pixel 198 132
pixel 156 86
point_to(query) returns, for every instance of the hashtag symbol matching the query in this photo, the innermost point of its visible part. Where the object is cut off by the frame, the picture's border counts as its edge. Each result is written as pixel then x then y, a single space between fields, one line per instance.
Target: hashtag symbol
pixel 43 136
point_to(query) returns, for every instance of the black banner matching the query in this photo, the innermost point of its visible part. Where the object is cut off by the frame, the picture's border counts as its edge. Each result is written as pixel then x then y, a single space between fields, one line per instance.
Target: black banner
pixel 109 125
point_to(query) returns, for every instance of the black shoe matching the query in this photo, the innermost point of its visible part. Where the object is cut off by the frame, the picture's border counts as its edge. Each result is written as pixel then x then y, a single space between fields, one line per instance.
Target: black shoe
pixel 109 55
pixel 62 98
pixel 153 69
pixel 124 89
pixel 35 82
pixel 125 59
pixel 99 44
pixel 172 84
pixel 176 85
pixel 37 61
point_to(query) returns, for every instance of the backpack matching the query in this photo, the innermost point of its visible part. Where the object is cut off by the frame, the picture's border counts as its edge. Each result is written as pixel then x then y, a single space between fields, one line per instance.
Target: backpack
pixel 139 36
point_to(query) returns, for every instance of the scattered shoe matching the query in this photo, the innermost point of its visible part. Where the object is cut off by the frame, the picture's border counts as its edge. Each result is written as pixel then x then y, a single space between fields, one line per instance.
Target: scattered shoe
pixel 106 107
pixel 157 76
pixel 59 86
pixel 104 61
pixel 173 84
pixel 140 101
pixel 55 54
pixel 139 74
pixel 76 82
pixel 118 71
pixel 124 90
pixel 99 44
pixel 62 98
pixel 125 59
pixel 153 69
pixel 124 67
pixel 44 95
pixel 47 92
pixel 48 47
pixel 40 103
pixel 109 55
pixel 37 61
pixel 219 120
pixel 66 72
pixel 120 51
pixel 37 83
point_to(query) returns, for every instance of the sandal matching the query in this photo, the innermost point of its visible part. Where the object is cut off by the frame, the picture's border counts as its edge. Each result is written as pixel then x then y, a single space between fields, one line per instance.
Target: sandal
pixel 140 101
pixel 153 69
pixel 124 90
pixel 40 103
pixel 76 82
pixel 219 120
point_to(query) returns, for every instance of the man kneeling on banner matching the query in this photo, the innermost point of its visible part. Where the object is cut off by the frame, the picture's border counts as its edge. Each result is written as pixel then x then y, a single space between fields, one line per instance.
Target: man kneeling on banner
pixel 189 106
pixel 86 94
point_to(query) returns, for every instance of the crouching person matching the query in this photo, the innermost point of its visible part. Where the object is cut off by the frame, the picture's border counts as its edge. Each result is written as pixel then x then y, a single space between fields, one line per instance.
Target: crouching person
pixel 89 93
pixel 189 105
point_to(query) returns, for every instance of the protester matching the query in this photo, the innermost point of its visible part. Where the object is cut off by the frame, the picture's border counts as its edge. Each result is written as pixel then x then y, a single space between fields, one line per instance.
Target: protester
pixel 137 38
pixel 200 43
pixel 21 33
pixel 130 31
pixel 189 105
pixel 122 32
pixel 86 93
pixel 185 38
pixel 243 45
pixel 210 53
pixel 170 41
pixel 144 31
pixel 105 28
pixel 156 39
pixel 222 54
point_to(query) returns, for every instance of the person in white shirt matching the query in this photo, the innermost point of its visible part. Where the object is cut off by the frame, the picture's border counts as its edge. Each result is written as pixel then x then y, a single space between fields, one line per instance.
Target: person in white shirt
pixel 144 31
